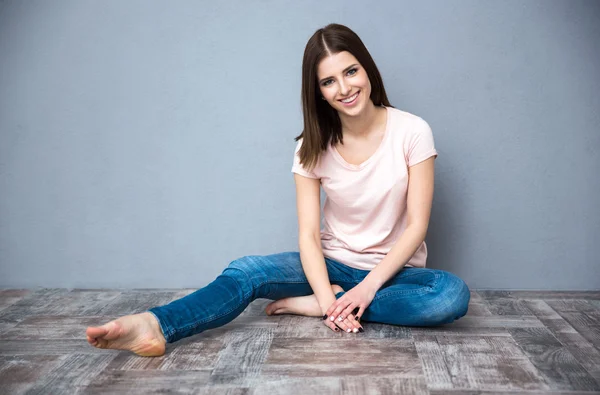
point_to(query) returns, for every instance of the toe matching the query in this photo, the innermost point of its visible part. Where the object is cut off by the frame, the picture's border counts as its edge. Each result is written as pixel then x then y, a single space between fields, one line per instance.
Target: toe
pixel 96 331
pixel 269 309
pixel 272 308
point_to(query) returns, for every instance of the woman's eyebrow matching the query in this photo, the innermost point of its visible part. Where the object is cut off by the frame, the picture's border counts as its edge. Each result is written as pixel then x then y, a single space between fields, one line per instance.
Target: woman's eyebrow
pixel 346 69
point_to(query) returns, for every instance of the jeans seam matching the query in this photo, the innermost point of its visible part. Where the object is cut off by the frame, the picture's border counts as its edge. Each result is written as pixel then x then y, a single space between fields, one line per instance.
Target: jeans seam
pixel 418 290
pixel 404 292
pixel 197 324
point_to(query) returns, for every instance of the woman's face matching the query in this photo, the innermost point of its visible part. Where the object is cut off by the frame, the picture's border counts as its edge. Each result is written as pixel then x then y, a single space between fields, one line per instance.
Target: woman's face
pixel 340 77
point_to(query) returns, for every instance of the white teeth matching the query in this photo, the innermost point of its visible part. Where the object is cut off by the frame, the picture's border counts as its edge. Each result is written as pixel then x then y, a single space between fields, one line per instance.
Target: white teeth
pixel 348 100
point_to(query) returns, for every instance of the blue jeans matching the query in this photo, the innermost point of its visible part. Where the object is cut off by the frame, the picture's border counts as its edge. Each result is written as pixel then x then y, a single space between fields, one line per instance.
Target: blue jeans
pixel 413 297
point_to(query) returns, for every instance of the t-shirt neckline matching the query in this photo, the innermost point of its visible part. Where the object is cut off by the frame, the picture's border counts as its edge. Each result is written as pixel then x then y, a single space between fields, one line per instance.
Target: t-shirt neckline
pixel 377 152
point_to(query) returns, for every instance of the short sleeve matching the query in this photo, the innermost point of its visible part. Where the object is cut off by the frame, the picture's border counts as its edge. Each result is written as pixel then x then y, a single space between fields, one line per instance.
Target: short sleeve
pixel 297 167
pixel 420 144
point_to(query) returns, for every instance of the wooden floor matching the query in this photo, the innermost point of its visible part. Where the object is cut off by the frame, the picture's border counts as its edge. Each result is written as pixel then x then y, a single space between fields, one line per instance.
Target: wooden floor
pixel 509 342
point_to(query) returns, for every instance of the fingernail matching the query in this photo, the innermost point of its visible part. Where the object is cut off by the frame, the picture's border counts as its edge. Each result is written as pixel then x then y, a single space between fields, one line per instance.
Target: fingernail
pixel 348 330
pixel 332 318
pixel 355 330
pixel 337 329
pixel 325 316
pixel 357 318
pixel 361 330
pixel 340 318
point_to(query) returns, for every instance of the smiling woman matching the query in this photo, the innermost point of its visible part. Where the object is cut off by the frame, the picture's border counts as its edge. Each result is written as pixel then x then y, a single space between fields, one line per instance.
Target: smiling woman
pixel 376 165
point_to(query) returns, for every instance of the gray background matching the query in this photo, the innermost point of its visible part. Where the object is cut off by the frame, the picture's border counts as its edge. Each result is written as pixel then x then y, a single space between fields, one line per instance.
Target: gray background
pixel 148 144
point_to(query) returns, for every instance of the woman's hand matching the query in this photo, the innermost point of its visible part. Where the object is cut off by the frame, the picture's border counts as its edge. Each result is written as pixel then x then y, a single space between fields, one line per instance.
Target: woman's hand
pixel 355 301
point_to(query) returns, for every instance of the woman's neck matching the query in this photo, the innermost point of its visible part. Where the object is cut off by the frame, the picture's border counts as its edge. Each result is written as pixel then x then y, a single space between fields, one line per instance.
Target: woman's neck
pixel 362 125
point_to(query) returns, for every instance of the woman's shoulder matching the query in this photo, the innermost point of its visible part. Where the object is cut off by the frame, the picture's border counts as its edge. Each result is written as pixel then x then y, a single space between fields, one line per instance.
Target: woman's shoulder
pixel 405 124
pixel 405 115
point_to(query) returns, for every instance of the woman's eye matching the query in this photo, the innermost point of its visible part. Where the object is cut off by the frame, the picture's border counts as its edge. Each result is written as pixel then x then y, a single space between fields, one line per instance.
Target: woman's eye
pixel 354 71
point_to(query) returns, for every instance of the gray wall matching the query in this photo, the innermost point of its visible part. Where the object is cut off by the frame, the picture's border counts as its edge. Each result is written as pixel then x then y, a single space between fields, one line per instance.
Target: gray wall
pixel 148 144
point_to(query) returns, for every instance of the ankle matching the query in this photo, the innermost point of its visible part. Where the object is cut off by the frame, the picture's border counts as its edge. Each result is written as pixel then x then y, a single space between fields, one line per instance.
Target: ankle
pixel 155 324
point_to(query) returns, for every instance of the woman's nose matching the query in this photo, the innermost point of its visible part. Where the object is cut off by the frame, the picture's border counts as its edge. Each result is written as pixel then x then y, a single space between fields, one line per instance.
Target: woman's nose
pixel 344 88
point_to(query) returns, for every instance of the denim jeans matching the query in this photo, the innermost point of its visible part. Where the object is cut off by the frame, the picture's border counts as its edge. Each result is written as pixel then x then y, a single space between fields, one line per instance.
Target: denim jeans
pixel 413 297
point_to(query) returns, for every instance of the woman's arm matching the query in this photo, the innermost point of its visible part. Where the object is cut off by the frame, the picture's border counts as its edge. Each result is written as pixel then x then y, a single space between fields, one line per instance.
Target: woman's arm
pixel 419 201
pixel 420 196
pixel 308 202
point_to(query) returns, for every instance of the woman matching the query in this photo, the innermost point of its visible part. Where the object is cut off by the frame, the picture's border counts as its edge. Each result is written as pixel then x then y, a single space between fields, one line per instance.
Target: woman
pixel 376 165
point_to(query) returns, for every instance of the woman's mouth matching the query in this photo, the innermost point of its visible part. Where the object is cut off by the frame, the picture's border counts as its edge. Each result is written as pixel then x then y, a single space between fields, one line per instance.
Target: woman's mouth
pixel 351 100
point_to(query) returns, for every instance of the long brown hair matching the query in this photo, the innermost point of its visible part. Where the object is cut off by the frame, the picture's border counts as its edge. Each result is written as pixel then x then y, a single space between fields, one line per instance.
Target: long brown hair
pixel 322 123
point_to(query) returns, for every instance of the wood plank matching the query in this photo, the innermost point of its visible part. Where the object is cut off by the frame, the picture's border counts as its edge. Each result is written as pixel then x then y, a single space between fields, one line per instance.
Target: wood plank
pixel 58 302
pixel 274 385
pixel 582 315
pixel 11 296
pixel 556 364
pixel 300 327
pixel 477 305
pixel 197 354
pixel 507 306
pixel 506 321
pixel 460 331
pixel 45 347
pixel 509 342
pixel 491 363
pixel 573 305
pixel 433 361
pixel 383 385
pixel 6 326
pixel 508 392
pixel 545 295
pixel 243 356
pixel 73 374
pixel 52 327
pixel 583 351
pixel 541 309
pixel 478 309
pixel 324 357
pixel 146 381
pixel 583 324
pixel 257 308
pixel 18 373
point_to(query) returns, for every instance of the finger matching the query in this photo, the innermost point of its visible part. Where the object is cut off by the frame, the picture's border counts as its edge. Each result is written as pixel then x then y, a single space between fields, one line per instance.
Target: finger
pixel 333 307
pixel 340 311
pixel 343 325
pixel 348 310
pixel 337 312
pixel 331 325
pixel 359 314
pixel 349 326
pixel 354 315
pixel 355 323
pixel 330 311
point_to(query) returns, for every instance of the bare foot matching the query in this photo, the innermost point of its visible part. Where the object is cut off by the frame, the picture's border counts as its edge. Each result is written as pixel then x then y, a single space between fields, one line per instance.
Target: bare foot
pixel 301 305
pixel 139 333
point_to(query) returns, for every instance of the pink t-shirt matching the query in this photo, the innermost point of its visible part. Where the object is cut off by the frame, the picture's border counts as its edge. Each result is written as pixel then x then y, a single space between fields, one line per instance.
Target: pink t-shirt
pixel 365 210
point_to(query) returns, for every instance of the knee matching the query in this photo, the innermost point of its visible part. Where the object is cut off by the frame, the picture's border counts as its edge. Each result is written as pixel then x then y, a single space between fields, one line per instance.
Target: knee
pixel 242 272
pixel 452 299
pixel 243 266
pixel 247 268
